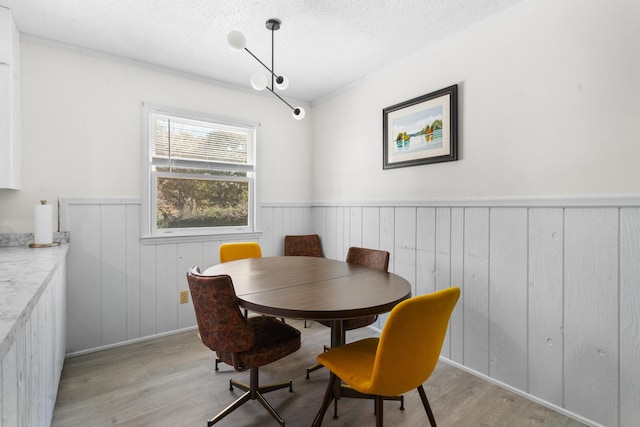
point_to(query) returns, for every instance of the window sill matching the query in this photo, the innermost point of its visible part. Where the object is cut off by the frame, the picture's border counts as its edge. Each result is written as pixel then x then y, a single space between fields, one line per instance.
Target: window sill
pixel 158 240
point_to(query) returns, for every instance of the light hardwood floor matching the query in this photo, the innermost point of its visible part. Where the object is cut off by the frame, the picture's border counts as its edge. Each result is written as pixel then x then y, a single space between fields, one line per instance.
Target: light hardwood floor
pixel 170 381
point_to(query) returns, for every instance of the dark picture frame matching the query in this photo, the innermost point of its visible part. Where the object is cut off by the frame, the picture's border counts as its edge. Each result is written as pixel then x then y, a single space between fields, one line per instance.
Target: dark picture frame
pixel 422 130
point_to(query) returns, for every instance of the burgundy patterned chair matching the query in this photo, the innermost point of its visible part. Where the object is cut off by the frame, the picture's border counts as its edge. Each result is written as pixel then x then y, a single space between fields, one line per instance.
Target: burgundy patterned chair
pixel 240 342
pixel 303 245
pixel 371 258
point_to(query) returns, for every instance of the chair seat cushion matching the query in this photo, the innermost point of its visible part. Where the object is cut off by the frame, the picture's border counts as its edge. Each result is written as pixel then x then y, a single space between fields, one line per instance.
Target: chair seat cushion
pixel 351 324
pixel 353 363
pixel 273 340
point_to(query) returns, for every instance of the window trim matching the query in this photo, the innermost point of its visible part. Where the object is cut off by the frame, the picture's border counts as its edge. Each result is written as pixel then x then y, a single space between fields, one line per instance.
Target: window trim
pixel 148 230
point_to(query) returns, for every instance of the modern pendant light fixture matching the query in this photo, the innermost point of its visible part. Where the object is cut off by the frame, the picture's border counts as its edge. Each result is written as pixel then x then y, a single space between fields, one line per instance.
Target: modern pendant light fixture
pixel 259 81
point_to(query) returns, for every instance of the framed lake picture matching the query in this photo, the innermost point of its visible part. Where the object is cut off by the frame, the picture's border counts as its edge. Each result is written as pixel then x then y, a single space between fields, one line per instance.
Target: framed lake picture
pixel 422 130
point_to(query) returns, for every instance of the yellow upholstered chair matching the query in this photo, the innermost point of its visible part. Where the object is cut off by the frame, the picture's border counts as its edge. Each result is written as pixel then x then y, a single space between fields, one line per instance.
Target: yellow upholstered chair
pixel 402 359
pixel 239 250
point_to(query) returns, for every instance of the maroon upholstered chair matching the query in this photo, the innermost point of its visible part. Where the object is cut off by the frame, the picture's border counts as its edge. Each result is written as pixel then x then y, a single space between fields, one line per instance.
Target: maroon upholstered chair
pixel 240 342
pixel 371 258
pixel 303 245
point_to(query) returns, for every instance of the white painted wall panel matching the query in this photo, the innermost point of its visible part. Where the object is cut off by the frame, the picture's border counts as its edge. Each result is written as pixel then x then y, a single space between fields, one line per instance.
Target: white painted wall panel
pixel 277 229
pixel 113 261
pixel 371 227
pixel 189 254
pixel 457 279
pixel 167 287
pixel 591 314
pixel 84 328
pixel 355 227
pixel 133 273
pixel 546 320
pixel 266 241
pixel 405 245
pixel 476 289
pixel 442 260
pixel 629 316
pixel 508 296
pixel 425 250
pixel 148 291
pixel 342 240
pixel 387 243
pixel 324 224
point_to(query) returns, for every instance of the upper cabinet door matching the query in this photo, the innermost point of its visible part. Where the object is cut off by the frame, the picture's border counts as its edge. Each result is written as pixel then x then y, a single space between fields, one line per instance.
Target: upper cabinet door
pixel 6 36
pixel 10 146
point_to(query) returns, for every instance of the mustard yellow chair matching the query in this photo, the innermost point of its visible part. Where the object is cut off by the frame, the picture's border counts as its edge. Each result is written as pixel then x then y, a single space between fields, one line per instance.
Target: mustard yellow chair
pixel 239 250
pixel 402 359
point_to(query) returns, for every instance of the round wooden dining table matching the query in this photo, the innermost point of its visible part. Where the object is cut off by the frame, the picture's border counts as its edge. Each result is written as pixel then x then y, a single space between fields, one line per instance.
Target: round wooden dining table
pixel 312 288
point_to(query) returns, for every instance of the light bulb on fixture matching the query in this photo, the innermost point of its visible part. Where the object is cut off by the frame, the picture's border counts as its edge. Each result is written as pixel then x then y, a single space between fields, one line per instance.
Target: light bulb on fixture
pixel 259 81
pixel 298 113
pixel 282 82
pixel 236 40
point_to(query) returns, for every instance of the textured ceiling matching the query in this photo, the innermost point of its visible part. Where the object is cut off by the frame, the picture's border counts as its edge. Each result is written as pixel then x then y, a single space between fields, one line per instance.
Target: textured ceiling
pixel 322 46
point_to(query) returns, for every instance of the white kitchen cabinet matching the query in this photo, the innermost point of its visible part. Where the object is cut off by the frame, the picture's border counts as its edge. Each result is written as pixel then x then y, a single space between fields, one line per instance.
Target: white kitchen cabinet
pixel 10 142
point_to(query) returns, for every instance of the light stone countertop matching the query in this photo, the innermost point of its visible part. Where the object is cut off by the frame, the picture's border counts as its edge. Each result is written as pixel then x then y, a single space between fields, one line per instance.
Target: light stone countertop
pixel 24 274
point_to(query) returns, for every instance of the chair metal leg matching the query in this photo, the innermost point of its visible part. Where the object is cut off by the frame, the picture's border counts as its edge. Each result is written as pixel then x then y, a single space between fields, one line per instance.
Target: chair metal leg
pixel 270 409
pixel 379 411
pixel 229 409
pixel 427 407
pixel 328 396
pixel 252 392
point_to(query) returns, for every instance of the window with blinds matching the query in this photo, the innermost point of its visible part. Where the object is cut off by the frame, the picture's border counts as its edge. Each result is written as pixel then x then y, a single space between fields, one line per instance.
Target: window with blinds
pixel 201 174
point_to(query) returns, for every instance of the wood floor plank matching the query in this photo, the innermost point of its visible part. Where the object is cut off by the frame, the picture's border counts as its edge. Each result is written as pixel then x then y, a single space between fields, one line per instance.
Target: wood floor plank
pixel 170 381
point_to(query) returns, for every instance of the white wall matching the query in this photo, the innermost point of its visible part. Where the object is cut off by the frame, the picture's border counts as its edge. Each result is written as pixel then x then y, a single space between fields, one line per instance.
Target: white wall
pixel 82 130
pixel 548 105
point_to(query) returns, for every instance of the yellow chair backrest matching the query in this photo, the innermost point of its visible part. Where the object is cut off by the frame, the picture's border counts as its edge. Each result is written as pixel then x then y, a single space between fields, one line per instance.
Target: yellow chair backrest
pixel 239 250
pixel 411 341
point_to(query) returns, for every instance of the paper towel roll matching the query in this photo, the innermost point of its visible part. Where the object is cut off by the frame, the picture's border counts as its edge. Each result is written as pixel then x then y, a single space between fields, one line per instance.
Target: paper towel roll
pixel 43 234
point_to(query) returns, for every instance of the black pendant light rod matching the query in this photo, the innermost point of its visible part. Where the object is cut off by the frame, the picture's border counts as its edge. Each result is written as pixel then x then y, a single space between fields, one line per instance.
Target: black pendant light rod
pixel 272 49
pixel 281 99
pixel 237 42
pixel 279 79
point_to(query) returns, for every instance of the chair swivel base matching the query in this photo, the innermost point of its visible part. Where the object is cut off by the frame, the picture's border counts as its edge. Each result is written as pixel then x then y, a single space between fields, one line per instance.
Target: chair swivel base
pixel 252 392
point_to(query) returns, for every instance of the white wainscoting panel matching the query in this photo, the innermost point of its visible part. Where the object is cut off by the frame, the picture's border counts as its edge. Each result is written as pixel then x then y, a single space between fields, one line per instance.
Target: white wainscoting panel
pixel 122 289
pixel 629 316
pixel 550 302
